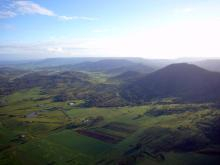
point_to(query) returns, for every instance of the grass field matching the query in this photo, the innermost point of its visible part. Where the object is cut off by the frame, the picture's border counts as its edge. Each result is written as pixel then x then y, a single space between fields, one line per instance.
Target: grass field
pixel 36 130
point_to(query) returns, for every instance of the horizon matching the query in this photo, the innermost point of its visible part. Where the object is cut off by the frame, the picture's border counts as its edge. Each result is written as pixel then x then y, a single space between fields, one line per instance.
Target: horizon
pixel 108 57
pixel 187 59
pixel 41 29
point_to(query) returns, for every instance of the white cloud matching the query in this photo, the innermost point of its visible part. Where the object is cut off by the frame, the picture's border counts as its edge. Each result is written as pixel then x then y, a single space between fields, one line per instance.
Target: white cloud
pixel 85 18
pixel 55 49
pixel 7 14
pixel 28 7
pixel 21 7
pixel 67 18
pixel 184 39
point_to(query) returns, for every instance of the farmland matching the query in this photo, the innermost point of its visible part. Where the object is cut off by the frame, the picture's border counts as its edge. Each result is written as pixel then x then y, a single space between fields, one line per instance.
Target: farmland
pixel 109 82
pixel 36 130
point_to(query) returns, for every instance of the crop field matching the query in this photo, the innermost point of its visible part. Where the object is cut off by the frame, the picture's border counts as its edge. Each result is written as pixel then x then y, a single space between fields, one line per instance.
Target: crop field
pixel 36 130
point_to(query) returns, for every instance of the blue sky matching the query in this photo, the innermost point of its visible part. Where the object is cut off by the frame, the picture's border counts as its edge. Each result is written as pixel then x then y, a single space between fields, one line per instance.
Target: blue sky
pixel 119 28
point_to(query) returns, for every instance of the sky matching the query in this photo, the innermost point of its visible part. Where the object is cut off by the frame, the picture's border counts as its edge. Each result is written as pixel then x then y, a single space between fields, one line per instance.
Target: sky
pixel 158 29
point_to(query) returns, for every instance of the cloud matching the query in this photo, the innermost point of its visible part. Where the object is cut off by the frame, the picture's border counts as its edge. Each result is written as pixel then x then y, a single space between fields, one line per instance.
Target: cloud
pixel 28 7
pixel 85 18
pixel 53 48
pixel 67 18
pixel 22 7
pixel 15 8
pixel 7 14
pixel 174 40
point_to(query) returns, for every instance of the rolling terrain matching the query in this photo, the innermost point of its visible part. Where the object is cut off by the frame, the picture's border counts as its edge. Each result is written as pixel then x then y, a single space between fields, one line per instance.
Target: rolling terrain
pixel 109 112
pixel 94 63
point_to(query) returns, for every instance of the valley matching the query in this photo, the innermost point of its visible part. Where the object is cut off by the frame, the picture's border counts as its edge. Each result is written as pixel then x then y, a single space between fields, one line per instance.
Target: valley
pixel 52 116
pixel 109 82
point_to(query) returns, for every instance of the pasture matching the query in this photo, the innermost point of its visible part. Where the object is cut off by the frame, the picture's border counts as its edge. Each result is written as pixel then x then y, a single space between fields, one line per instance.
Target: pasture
pixel 36 130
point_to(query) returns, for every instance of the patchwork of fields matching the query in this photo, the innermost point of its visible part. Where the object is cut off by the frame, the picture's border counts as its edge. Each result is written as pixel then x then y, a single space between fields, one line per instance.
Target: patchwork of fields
pixel 36 130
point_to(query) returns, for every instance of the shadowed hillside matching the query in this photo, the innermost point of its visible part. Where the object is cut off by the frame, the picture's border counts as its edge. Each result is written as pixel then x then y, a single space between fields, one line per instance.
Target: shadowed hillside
pixel 185 81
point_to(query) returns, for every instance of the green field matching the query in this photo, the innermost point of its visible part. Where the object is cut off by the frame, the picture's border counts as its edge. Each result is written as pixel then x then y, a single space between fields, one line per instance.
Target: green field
pixel 36 130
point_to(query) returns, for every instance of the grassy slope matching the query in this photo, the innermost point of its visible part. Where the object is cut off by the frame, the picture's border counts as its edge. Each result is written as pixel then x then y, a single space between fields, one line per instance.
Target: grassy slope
pixel 47 144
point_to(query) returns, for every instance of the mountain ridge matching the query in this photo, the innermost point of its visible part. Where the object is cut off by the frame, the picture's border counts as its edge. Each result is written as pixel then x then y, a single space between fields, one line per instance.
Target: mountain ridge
pixel 186 81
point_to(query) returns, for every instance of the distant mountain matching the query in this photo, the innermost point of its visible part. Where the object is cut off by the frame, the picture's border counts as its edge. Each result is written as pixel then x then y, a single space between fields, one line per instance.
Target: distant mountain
pixel 56 62
pixel 212 65
pixel 185 81
pixel 4 63
pixel 112 66
pixel 102 65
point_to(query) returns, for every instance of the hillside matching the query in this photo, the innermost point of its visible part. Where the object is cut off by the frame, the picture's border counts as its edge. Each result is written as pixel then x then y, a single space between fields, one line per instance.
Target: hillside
pixel 65 86
pixel 127 76
pixel 184 81
pixel 76 117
